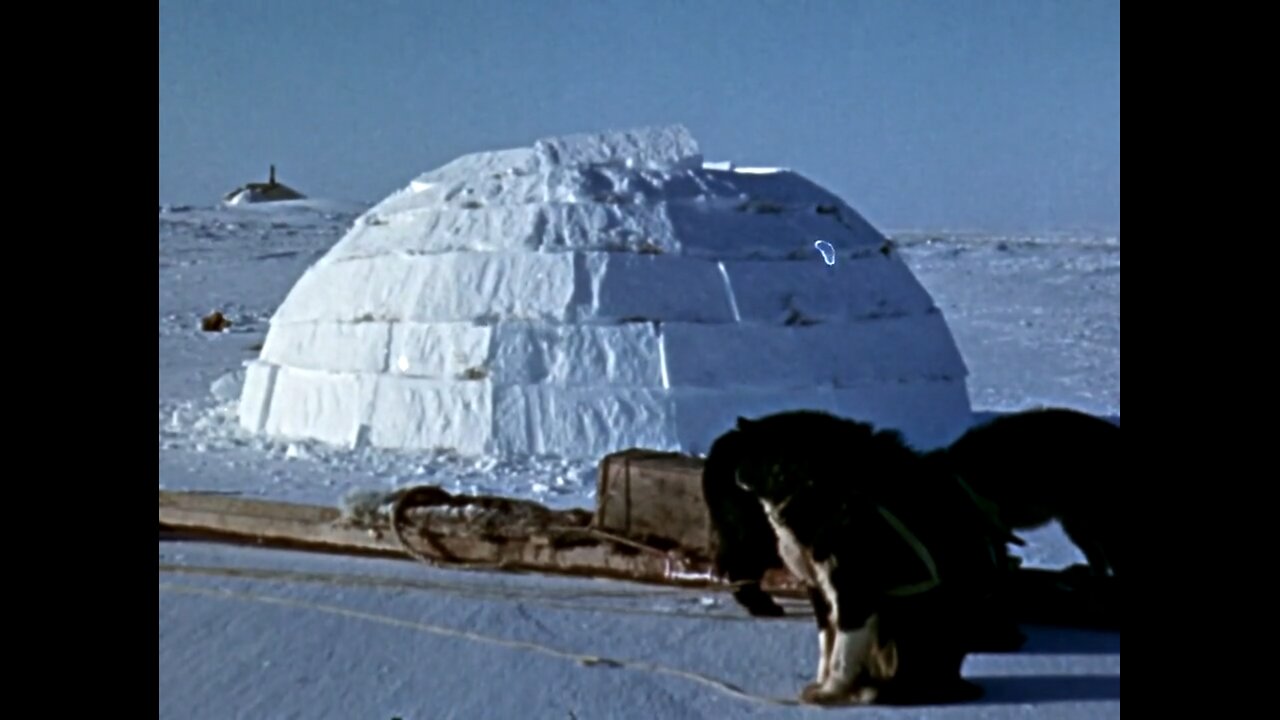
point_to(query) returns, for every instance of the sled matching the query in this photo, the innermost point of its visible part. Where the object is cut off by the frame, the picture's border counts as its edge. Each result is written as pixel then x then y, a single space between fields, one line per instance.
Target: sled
pixel 440 528
pixel 650 525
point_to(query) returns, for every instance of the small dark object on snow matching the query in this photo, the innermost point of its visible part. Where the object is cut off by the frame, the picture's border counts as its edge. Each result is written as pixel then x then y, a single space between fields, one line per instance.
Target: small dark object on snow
pixel 214 322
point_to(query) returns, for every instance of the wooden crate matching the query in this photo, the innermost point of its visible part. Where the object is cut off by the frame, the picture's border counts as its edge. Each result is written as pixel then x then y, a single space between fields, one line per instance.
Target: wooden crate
pixel 656 498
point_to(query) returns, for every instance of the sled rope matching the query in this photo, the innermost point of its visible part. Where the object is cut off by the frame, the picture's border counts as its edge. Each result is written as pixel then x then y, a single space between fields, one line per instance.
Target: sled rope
pixel 397 529
pixel 581 659
pixel 604 535
pixel 991 511
pixel 921 551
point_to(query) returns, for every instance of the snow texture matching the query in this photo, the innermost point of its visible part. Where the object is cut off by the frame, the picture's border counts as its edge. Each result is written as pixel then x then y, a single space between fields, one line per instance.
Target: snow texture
pixel 1036 320
pixel 251 633
pixel 597 292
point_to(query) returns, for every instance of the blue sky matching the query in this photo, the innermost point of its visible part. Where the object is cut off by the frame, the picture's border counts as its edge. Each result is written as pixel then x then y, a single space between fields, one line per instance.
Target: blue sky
pixel 999 115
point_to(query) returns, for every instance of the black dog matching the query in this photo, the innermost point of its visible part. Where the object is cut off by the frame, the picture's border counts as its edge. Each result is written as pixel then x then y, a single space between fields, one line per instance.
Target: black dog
pixel 746 547
pixel 1045 464
pixel 1025 469
pixel 896 555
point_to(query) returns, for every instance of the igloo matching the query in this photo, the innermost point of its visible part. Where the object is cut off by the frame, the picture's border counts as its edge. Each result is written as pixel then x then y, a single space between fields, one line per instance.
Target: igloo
pixel 597 292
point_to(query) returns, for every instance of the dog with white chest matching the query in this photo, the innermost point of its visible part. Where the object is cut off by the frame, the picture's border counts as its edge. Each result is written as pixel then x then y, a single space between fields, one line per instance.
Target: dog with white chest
pixel 895 556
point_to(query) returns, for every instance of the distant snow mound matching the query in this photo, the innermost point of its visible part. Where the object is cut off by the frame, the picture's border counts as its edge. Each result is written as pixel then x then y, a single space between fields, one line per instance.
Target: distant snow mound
pixel 252 195
pixel 288 208
pixel 601 291
pixel 298 214
pixel 269 191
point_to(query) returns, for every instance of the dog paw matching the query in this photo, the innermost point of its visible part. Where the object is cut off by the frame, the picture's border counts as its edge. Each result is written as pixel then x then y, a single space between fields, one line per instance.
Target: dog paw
pixel 998 638
pixel 821 694
pixel 813 694
pixel 758 603
pixel 769 609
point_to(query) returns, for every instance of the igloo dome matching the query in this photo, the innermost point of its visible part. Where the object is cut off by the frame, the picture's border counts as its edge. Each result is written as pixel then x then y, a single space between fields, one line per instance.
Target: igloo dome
pixel 597 292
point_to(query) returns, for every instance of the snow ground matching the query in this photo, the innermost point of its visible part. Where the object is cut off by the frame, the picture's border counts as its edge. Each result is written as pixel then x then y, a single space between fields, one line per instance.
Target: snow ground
pixel 1037 320
pixel 253 633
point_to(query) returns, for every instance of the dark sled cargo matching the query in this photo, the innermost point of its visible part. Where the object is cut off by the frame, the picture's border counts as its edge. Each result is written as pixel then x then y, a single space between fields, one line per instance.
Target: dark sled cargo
pixel 654 497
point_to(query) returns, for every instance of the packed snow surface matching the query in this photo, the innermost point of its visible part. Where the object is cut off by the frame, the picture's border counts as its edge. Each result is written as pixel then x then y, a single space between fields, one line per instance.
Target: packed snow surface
pixel 251 633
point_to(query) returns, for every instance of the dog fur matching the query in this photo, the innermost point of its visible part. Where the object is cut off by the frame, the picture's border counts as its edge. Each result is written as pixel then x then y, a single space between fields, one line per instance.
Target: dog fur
pixel 862 519
pixel 1049 464
pixel 1033 466
pixel 746 546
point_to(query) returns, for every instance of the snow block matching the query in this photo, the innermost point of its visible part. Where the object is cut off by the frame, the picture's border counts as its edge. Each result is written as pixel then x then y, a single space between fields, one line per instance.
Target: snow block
pixel 602 219
pixel 596 292
pixel 627 187
pixel 439 351
pixel 831 355
pixel 501 228
pixel 415 414
pixel 367 290
pixel 255 395
pixel 318 405
pixel 514 170
pixel 929 414
pixel 513 162
pixel 702 415
pixel 491 286
pixel 451 287
pixel 811 291
pixel 333 346
pixel 599 226
pixel 783 188
pixel 659 146
pixel 468 193
pixel 624 287
pixel 513 228
pixel 479 417
pixel 579 422
pixel 670 209
pixel 603 356
pixel 740 232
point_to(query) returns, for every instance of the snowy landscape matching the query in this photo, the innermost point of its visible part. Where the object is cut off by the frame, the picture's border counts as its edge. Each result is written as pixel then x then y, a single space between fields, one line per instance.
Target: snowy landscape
pixel 465 292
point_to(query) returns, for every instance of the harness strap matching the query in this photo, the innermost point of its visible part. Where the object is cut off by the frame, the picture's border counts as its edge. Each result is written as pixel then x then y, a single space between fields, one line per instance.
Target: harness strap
pixel 991 511
pixel 921 551
pixel 899 527
pixel 905 533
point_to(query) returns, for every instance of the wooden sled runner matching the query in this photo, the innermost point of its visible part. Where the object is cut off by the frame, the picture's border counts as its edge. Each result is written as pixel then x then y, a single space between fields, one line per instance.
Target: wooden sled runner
pixel 448 530
pixel 650 525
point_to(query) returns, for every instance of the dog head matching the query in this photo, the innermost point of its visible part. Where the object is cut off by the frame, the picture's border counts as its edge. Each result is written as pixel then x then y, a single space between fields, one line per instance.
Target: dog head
pixel 788 452
pixel 773 460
